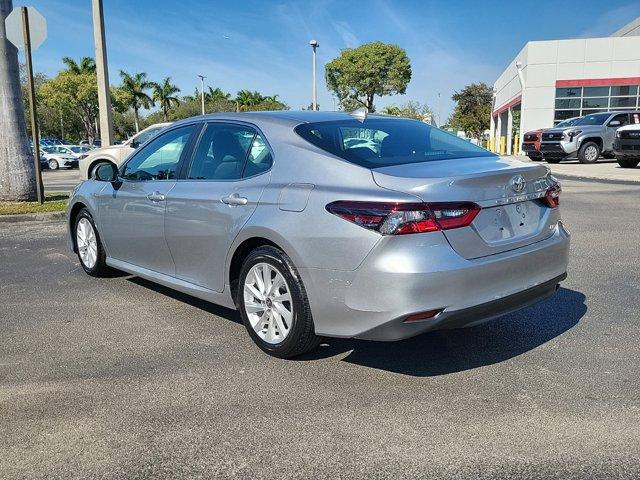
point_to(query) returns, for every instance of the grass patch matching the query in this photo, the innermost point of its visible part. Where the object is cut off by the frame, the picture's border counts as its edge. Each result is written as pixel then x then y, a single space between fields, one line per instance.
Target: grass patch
pixel 53 202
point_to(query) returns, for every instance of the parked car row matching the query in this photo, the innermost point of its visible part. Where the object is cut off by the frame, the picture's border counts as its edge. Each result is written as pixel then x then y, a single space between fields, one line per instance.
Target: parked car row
pixel 586 138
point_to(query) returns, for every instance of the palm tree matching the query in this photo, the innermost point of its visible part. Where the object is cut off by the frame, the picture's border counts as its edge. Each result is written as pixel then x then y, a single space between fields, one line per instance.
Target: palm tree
pixel 17 178
pixel 164 94
pixel 215 94
pixel 86 65
pixel 246 99
pixel 136 85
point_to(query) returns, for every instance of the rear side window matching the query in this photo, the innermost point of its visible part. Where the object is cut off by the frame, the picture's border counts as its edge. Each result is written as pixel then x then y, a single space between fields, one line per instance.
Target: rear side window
pixel 259 159
pixel 229 152
pixel 381 142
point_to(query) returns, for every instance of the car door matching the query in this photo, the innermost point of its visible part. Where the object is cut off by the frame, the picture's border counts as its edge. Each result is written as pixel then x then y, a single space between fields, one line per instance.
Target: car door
pixel 610 133
pixel 132 210
pixel 220 190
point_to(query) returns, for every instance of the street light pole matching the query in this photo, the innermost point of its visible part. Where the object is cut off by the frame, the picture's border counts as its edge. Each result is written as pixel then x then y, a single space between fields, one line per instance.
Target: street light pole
pixel 202 77
pixel 520 67
pixel 102 73
pixel 314 99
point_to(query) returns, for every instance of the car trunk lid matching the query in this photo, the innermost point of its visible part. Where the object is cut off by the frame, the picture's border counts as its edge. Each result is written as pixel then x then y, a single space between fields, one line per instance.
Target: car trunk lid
pixel 508 191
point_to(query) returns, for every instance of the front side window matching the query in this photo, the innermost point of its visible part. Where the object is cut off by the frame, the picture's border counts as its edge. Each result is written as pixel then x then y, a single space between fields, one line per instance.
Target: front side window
pixel 382 142
pixel 142 137
pixel 223 150
pixel 159 159
pixel 623 118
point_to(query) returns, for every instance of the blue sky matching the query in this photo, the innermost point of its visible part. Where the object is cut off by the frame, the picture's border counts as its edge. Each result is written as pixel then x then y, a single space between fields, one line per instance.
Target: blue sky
pixel 264 45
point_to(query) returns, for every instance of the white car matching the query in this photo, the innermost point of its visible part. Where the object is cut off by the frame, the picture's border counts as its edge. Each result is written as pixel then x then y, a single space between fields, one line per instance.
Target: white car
pixel 116 154
pixel 55 159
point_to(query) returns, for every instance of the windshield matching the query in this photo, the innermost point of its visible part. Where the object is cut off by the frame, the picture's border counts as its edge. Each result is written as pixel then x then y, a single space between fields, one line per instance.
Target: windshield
pixel 79 149
pixel 387 141
pixel 595 119
pixel 568 123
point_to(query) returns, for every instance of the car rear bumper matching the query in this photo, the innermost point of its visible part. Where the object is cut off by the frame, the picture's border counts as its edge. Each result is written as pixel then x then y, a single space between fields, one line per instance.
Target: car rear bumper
pixel 406 276
pixel 626 147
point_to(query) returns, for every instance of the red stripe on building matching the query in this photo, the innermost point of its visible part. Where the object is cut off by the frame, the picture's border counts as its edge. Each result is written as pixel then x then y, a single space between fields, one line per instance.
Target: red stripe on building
pixel 508 105
pixel 598 82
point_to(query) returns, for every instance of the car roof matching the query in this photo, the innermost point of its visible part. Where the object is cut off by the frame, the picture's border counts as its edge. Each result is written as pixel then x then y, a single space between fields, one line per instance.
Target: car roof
pixel 287 117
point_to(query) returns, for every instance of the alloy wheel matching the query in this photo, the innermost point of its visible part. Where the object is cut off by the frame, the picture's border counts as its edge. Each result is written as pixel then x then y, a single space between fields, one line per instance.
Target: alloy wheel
pixel 87 243
pixel 267 302
pixel 591 153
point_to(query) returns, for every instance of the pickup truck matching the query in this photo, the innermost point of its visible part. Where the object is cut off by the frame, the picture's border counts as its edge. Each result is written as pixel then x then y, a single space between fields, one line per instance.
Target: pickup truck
pixel 531 140
pixel 626 146
pixel 590 137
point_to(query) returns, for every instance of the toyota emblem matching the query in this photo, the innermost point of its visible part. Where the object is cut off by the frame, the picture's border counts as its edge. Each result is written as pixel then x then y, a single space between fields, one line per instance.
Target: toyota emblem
pixel 518 183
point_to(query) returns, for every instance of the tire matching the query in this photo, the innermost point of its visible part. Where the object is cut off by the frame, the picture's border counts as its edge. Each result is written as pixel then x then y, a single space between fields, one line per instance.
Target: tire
pixel 266 319
pixel 628 162
pixel 589 153
pixel 82 242
pixel 53 164
pixel 534 157
pixel 553 159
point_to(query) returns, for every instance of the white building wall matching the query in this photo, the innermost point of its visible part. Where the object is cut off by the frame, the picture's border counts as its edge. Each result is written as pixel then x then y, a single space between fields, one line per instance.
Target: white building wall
pixel 545 62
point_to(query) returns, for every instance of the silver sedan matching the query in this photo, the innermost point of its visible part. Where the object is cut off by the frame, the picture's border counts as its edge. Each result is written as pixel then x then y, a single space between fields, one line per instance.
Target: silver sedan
pixel 309 232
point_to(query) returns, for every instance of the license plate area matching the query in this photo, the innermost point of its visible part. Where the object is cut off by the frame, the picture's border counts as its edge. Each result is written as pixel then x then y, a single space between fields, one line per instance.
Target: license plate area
pixel 509 222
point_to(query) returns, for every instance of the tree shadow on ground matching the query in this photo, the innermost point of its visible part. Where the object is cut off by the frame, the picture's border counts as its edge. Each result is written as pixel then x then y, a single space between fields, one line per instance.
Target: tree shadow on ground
pixel 450 351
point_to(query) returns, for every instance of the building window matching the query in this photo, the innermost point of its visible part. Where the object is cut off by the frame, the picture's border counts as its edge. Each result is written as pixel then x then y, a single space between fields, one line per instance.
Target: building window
pixel 578 101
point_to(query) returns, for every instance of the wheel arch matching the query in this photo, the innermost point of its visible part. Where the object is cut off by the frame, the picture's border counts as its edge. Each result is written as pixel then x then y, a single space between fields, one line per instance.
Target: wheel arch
pixel 73 214
pixel 244 245
pixel 596 140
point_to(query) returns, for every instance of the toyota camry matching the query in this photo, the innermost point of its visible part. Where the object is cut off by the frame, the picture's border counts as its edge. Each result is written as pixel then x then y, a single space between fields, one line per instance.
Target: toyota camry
pixel 317 224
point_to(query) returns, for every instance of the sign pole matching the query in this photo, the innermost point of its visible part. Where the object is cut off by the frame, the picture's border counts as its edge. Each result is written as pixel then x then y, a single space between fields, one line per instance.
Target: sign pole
pixel 32 101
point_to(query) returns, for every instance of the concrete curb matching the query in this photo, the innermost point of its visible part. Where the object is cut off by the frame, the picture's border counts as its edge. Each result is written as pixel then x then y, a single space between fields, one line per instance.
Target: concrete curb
pixel 33 217
pixel 579 178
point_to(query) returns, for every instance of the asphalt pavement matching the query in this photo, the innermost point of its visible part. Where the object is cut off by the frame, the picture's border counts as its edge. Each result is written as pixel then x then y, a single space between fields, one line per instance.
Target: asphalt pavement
pixel 119 378
pixel 62 180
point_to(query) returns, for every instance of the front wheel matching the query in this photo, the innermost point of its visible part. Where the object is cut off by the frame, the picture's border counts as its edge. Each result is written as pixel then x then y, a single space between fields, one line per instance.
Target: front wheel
pixel 88 245
pixel 628 162
pixel 589 153
pixel 53 164
pixel 273 304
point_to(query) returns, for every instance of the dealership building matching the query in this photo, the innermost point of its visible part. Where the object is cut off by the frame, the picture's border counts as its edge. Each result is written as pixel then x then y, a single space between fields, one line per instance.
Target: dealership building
pixel 550 81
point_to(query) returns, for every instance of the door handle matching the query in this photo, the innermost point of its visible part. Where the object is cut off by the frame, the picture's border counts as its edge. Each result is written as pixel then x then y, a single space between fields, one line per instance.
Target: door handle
pixel 156 197
pixel 234 199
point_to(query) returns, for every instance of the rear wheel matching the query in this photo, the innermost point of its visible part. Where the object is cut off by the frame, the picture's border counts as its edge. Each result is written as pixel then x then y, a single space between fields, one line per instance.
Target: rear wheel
pixel 88 245
pixel 273 304
pixel 53 164
pixel 628 162
pixel 589 153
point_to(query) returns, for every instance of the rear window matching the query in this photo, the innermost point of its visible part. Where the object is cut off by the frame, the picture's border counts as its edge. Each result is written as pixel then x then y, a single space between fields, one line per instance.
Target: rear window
pixel 382 142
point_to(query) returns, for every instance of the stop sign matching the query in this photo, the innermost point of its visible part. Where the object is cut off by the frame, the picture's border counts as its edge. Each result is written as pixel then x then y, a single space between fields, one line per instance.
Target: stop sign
pixel 37 27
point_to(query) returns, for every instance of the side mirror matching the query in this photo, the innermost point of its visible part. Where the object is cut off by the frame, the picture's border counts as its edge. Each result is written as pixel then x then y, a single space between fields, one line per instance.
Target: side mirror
pixel 614 123
pixel 107 172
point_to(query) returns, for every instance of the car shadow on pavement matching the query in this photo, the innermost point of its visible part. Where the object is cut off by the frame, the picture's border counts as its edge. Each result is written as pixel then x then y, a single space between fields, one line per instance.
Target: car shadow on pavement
pixel 450 351
pixel 208 307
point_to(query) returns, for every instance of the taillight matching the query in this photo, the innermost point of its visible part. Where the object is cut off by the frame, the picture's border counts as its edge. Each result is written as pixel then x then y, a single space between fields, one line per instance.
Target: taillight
pixel 552 197
pixel 403 218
